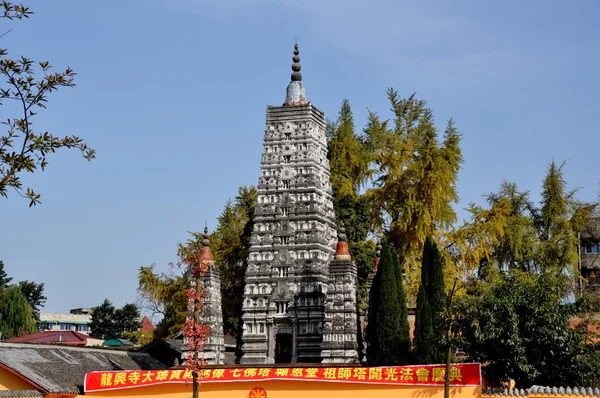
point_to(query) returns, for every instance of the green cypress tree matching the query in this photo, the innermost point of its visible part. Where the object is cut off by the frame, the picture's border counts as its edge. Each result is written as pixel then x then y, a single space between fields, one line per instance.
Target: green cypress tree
pixel 431 304
pixel 404 327
pixel 370 341
pixel 423 340
pixel 437 302
pixel 384 319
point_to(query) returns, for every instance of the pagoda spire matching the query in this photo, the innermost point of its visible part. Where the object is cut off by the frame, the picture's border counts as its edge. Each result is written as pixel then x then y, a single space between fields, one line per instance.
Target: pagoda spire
pixel 342 252
pixel 206 255
pixel 296 95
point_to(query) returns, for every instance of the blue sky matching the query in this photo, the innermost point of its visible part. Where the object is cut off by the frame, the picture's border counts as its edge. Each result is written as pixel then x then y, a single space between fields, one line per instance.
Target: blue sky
pixel 172 95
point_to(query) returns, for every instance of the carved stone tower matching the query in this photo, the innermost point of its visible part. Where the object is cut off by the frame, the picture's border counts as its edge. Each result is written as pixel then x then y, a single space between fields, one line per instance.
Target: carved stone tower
pixel 294 236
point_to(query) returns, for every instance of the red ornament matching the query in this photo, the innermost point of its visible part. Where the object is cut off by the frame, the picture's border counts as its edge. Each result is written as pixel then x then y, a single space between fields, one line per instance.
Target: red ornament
pixel 257 392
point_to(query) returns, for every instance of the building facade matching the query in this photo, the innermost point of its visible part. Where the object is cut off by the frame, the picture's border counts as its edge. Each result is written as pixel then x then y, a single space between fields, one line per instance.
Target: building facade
pixel 294 238
pixel 78 320
pixel 589 251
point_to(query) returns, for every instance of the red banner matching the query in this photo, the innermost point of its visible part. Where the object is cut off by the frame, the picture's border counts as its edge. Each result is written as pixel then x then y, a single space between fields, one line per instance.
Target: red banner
pixel 425 375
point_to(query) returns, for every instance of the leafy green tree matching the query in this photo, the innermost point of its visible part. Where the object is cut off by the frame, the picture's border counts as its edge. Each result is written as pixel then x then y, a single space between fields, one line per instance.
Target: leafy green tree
pixel 517 242
pixel 517 324
pixel 4 278
pixel 34 293
pixel 22 149
pixel 431 307
pixel 231 248
pixel 348 158
pixel 558 249
pixel 349 166
pixel 414 178
pixel 16 314
pixel 103 324
pixel 164 295
pixel 383 330
pixel 127 319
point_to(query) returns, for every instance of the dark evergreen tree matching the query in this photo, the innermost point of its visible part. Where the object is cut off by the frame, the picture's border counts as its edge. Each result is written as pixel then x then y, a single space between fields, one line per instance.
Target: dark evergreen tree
pixel 127 319
pixel 383 334
pixel 103 325
pixel 424 337
pixel 404 327
pixel 34 293
pixel 4 278
pixel 431 306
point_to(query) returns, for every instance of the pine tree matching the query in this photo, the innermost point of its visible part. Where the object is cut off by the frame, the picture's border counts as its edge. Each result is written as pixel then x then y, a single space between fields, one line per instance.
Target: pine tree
pixel 431 306
pixel 414 175
pixel 103 324
pixel 34 293
pixel 349 166
pixel 4 278
pixel 558 241
pixel 404 327
pixel 127 319
pixel 383 334
pixel 231 248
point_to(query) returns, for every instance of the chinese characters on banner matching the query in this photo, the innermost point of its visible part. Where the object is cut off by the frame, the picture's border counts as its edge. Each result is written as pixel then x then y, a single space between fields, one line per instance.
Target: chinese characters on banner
pixel 460 375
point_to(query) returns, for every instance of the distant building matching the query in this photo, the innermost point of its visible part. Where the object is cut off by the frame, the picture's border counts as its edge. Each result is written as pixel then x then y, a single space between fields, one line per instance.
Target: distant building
pixel 66 337
pixel 590 253
pixel 78 320
pixel 147 326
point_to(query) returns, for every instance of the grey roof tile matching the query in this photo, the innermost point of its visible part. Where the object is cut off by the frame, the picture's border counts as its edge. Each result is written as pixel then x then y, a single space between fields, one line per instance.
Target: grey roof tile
pixel 61 369
pixel 20 393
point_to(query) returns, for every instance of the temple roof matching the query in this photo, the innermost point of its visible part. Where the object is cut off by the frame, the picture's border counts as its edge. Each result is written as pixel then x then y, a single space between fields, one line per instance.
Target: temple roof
pixel 58 369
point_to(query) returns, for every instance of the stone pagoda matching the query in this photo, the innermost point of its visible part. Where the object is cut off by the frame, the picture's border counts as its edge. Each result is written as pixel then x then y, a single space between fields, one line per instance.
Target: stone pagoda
pixel 340 329
pixel 294 236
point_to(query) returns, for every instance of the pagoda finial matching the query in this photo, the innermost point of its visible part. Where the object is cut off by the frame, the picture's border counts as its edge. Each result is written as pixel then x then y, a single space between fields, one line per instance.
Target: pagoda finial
pixel 296 94
pixel 296 67
pixel 205 241
pixel 341 251
pixel 205 252
pixel 342 233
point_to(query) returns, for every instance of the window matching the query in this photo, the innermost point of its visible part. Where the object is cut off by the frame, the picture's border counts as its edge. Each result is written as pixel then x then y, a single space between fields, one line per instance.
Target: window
pixel 249 328
pixel 592 247
pixel 288 136
pixel 82 328
pixel 262 328
pixel 285 211
pixel 286 159
pixel 286 184
pixel 66 326
pixel 285 240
